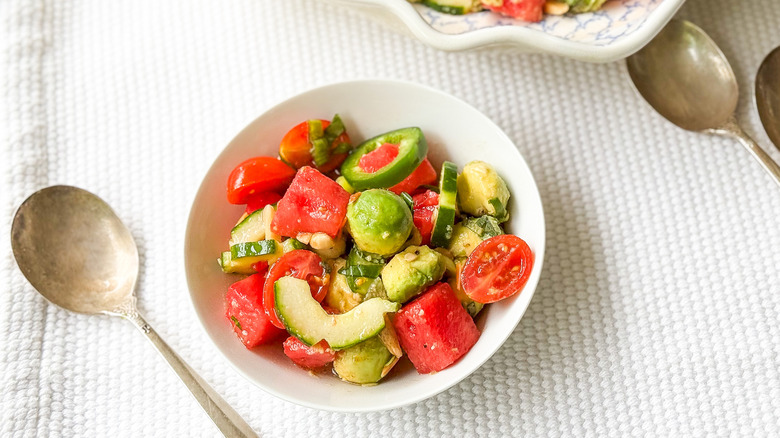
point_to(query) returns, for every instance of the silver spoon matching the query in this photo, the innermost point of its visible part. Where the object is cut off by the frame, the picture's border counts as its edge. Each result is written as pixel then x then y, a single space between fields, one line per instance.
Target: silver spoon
pixel 768 95
pixel 79 255
pixel 683 75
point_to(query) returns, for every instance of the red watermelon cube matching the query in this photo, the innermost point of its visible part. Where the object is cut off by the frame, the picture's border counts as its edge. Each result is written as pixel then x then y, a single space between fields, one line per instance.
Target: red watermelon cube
pixel 244 311
pixel 309 357
pixel 313 203
pixel 526 10
pixel 435 330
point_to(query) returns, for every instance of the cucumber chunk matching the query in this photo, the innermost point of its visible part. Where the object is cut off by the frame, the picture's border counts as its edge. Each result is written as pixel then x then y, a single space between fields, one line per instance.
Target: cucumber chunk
pixel 305 318
pixel 253 249
pixel 251 229
pixel 448 190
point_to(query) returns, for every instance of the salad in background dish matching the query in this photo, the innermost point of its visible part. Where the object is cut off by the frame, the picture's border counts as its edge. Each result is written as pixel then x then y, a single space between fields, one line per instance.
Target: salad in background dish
pixel 357 257
pixel 526 10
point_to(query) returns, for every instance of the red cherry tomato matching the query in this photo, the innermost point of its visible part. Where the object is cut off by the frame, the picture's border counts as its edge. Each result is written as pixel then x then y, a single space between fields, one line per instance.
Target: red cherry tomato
pixel 425 205
pixel 295 148
pixel 255 175
pixel 498 268
pixel 301 264
pixel 316 356
pixel 260 200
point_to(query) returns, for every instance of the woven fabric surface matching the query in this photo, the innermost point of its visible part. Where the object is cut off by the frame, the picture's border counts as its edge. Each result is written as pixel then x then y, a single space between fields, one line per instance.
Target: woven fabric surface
pixel 658 311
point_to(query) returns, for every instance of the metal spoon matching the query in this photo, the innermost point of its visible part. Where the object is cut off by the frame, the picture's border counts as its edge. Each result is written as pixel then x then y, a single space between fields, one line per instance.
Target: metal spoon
pixel 683 75
pixel 80 256
pixel 768 95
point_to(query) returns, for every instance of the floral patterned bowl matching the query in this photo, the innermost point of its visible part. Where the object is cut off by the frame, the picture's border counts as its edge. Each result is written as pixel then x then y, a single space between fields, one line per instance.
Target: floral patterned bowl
pixel 616 31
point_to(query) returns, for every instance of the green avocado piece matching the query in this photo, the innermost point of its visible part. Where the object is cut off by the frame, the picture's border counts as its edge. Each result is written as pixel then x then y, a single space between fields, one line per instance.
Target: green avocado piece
pixel 379 221
pixel 464 240
pixel 411 271
pixel 340 297
pixel 478 185
pixel 363 363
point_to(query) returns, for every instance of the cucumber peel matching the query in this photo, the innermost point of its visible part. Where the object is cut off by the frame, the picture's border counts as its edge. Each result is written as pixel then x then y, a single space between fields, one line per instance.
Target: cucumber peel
pixel 448 191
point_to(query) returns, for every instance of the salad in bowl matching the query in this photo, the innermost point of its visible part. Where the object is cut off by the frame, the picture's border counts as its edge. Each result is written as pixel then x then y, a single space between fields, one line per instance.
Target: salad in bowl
pixel 358 257
pixel 348 272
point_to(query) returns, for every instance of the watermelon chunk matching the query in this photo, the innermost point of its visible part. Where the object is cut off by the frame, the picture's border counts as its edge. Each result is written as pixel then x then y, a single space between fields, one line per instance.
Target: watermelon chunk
pixel 423 174
pixel 425 205
pixel 313 357
pixel 244 311
pixel 313 203
pixel 434 330
pixel 378 158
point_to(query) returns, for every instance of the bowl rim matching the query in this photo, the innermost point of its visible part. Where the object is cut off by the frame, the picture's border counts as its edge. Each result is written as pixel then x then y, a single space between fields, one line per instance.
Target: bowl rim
pixel 529 288
pixel 532 39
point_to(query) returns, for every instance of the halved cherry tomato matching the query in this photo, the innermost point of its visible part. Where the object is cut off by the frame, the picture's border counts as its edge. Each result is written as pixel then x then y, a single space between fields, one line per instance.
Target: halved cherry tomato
pixel 498 268
pixel 260 200
pixel 425 205
pixel 424 174
pixel 295 148
pixel 378 158
pixel 299 263
pixel 255 175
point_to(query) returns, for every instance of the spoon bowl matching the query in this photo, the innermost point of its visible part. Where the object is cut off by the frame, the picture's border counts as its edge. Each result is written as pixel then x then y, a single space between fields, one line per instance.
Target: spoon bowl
pixel 684 76
pixel 768 95
pixel 77 253
pixel 74 250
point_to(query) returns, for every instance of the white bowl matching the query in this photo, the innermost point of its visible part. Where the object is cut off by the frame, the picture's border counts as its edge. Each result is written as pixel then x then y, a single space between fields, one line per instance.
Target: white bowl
pixel 616 31
pixel 455 131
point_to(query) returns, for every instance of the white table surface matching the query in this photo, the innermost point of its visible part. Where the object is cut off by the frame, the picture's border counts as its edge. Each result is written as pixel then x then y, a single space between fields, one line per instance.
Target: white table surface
pixel 658 312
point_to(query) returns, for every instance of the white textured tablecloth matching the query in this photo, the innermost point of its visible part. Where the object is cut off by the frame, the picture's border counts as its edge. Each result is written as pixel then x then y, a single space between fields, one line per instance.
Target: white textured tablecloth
pixel 659 305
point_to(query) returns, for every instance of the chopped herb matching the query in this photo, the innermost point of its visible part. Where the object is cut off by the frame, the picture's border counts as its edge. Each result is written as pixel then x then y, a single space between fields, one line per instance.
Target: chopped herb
pixel 235 321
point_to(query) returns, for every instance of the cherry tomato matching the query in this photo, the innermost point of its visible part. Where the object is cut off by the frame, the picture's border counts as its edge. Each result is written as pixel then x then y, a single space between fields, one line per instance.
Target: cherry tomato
pixel 498 268
pixel 425 204
pixel 299 263
pixel 260 200
pixel 255 175
pixel 295 148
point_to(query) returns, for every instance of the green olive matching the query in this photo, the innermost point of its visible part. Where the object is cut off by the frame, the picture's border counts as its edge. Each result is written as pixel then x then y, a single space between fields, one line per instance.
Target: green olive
pixel 379 221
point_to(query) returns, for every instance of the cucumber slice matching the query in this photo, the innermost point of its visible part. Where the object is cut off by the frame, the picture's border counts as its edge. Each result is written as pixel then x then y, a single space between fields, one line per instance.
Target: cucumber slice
pixel 448 191
pixel 237 266
pixel 412 149
pixel 454 7
pixel 305 318
pixel 251 229
pixel 292 244
pixel 253 249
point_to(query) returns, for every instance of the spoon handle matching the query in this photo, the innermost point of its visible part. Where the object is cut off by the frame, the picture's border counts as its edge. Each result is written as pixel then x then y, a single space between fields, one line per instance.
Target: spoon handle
pixel 225 417
pixel 770 166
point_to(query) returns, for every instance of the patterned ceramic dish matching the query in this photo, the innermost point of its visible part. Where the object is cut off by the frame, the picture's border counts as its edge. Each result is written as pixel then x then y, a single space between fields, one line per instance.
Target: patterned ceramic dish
pixel 619 29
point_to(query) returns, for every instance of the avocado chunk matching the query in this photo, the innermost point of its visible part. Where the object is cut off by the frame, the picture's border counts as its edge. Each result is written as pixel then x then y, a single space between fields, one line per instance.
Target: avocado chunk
pixel 379 221
pixel 471 306
pixel 464 240
pixel 411 271
pixel 481 191
pixel 364 362
pixel 471 232
pixel 340 297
